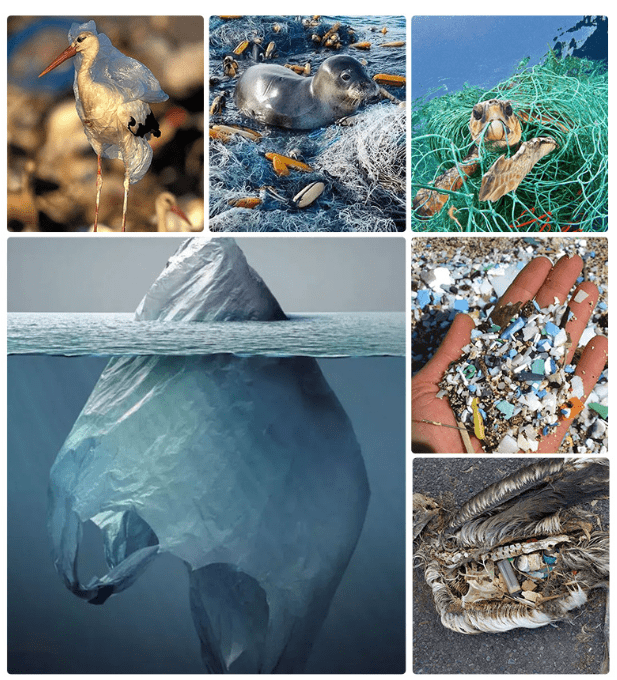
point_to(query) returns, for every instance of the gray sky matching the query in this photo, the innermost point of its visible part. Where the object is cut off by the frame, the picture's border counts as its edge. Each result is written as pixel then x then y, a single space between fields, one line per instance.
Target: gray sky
pixel 305 274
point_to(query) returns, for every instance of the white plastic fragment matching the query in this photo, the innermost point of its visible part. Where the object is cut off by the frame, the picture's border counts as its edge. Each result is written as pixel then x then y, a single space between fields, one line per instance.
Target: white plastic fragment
pixel 561 338
pixel 577 386
pixel 580 296
pixel 587 335
pixel 507 445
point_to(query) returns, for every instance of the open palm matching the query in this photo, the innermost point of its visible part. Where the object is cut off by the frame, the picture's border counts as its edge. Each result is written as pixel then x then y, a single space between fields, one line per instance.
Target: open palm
pixel 539 280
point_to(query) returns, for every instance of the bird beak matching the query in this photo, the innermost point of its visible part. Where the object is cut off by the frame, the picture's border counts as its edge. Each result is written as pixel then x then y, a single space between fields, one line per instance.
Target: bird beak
pixel 174 208
pixel 69 52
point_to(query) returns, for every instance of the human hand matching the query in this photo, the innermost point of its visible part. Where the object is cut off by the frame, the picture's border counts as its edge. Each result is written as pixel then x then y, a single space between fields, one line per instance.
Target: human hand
pixel 538 279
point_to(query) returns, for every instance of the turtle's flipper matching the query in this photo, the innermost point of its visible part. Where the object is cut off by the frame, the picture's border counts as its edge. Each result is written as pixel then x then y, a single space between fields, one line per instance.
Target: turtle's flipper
pixel 428 202
pixel 507 173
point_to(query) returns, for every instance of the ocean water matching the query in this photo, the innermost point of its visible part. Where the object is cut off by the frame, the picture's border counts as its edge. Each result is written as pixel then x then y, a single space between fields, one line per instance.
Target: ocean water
pixel 451 51
pixel 148 628
pixel 316 335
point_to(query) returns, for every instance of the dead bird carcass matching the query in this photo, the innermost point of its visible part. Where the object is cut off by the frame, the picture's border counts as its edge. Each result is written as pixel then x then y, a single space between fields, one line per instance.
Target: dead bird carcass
pixel 521 553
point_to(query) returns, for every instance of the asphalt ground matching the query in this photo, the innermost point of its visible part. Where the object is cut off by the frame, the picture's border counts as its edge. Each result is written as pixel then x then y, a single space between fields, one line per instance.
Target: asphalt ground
pixel 574 646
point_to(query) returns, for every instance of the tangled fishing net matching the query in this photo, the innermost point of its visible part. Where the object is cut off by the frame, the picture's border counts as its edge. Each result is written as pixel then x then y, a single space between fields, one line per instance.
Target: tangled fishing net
pixel 566 99
pixel 362 165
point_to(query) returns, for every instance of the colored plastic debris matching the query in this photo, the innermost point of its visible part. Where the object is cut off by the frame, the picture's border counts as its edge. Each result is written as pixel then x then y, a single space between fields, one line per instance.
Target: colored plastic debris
pixel 461 305
pixel 516 325
pixel 551 328
pixel 580 296
pixel 469 371
pixel 423 298
pixel 599 408
pixel 538 367
pixel 505 407
pixel 574 406
pixel 478 425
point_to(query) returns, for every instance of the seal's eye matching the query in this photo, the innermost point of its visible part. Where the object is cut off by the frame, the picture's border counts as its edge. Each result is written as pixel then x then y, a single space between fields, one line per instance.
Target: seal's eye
pixel 345 75
pixel 477 112
pixel 508 110
pixel 81 38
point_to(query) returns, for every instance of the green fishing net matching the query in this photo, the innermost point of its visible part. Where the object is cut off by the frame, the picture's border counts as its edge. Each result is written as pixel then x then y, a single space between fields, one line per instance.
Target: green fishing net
pixel 567 190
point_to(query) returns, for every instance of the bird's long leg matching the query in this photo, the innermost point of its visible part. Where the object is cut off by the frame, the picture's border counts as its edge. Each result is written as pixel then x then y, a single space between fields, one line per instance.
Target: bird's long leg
pixel 126 195
pixel 99 184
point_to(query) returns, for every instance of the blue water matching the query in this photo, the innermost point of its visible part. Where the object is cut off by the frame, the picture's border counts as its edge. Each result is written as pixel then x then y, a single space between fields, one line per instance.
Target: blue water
pixel 148 628
pixel 449 51
pixel 317 335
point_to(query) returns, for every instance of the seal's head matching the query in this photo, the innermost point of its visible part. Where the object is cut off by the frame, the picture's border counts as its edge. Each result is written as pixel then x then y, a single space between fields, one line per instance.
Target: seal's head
pixel 503 127
pixel 344 84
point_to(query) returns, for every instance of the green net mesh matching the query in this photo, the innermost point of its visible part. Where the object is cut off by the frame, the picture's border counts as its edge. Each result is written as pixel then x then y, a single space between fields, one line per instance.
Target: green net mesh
pixel 567 190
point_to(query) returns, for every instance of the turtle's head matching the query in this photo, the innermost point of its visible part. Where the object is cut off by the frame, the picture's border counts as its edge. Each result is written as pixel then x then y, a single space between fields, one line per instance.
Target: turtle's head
pixel 497 120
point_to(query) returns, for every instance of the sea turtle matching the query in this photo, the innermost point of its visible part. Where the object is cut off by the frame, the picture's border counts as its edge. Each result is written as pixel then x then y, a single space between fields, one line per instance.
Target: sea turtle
pixel 495 121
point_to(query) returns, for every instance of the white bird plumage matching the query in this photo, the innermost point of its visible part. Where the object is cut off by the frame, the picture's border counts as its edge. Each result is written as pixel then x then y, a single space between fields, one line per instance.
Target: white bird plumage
pixel 112 93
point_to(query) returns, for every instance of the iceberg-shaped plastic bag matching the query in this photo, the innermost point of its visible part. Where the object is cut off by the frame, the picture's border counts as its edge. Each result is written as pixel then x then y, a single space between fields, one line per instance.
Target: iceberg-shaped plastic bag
pixel 246 468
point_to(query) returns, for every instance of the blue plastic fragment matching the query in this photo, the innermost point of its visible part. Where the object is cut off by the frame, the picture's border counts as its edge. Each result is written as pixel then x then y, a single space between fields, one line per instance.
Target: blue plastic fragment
pixel 551 328
pixel 423 298
pixel 602 305
pixel 549 559
pixel 475 333
pixel 461 305
pixel 516 325
pixel 482 413
pixel 592 253
pixel 505 407
pixel 472 388
pixel 541 393
pixel 512 353
pixel 544 345
pixel 537 306
pixel 569 368
pixel 580 279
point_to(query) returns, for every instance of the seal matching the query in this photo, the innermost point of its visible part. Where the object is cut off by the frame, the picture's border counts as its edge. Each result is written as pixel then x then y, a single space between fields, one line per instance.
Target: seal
pixel 275 95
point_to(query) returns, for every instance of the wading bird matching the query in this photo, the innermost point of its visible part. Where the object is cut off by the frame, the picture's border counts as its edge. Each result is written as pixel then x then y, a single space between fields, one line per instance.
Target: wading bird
pixel 111 94
pixel 166 208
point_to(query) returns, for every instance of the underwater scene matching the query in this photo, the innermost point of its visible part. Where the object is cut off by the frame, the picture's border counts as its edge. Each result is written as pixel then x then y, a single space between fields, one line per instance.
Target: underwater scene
pixel 307 123
pixel 509 124
pixel 206 512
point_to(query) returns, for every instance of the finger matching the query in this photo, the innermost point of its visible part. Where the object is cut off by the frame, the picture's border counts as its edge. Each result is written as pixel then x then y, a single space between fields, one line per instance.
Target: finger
pixel 527 282
pixel 592 363
pixel 589 368
pixel 457 337
pixel 560 280
pixel 581 313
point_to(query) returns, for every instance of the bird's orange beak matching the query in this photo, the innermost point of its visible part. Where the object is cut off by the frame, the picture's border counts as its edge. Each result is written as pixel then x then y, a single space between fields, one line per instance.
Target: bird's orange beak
pixel 69 52
pixel 174 208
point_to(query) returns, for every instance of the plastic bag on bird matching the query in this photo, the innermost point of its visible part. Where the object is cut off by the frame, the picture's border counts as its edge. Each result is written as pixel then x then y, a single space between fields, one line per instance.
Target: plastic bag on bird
pixel 133 84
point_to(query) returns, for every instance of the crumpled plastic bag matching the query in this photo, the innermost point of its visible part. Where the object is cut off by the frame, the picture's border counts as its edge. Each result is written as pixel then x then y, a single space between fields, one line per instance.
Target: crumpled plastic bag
pixel 246 468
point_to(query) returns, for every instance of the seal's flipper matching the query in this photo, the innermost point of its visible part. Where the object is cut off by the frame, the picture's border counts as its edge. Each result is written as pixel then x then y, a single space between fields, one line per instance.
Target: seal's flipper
pixel 507 173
